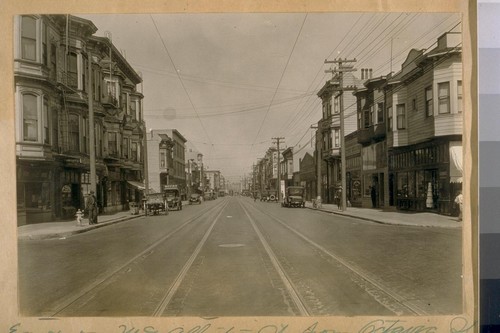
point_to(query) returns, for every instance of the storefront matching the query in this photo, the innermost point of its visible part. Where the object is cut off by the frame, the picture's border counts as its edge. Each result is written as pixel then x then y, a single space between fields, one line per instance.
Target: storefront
pixel 424 177
pixel 35 192
pixel 374 175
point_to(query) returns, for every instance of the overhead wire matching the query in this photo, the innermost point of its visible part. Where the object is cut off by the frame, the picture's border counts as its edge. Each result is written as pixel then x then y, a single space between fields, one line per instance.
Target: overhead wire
pixel 179 77
pixel 281 78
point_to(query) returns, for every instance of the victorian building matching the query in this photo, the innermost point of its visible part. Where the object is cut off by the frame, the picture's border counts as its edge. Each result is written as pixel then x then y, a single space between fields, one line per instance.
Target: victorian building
pixel 60 69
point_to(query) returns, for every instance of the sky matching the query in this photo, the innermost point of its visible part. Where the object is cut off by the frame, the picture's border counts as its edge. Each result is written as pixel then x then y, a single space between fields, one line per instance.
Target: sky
pixel 229 83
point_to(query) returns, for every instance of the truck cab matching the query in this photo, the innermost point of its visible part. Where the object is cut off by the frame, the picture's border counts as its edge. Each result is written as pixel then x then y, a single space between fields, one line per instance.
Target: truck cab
pixel 173 197
pixel 294 197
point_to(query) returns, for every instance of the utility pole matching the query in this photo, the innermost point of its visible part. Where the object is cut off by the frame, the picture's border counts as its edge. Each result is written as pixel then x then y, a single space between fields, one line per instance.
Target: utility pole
pixel 342 68
pixel 279 176
pixel 253 180
pixel 93 182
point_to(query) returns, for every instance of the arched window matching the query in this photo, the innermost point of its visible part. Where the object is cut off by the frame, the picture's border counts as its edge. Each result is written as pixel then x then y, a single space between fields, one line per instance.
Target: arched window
pixel 30 117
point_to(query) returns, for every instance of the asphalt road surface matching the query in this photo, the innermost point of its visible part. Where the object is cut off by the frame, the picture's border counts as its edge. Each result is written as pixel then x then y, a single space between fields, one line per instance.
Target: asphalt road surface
pixel 236 257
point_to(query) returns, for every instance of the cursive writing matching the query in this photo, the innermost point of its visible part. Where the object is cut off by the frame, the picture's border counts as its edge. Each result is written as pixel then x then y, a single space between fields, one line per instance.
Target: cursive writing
pixel 395 326
pixel 461 325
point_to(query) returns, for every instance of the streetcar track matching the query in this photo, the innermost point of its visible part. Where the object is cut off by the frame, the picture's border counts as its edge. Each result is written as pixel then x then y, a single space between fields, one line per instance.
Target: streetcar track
pixel 364 280
pixel 182 274
pixel 90 290
pixel 291 289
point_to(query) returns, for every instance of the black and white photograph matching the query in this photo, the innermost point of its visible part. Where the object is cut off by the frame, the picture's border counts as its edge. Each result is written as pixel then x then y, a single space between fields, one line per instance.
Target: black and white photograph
pixel 241 164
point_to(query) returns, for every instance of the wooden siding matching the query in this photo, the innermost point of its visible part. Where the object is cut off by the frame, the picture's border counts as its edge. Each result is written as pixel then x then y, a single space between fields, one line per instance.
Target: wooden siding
pixel 420 126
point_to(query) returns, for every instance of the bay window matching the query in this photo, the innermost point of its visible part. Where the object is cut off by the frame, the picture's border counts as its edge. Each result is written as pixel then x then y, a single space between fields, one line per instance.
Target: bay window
pixel 28 38
pixel 401 116
pixel 30 117
pixel 460 106
pixel 444 97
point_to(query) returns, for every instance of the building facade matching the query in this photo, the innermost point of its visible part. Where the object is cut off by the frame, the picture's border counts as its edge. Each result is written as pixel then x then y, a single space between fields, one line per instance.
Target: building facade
pixel 328 141
pixel 60 69
pixel 166 160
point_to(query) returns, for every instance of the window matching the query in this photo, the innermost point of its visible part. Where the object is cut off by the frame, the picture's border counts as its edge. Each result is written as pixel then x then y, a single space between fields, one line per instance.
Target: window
pixel 367 120
pixel 74 132
pixel 72 79
pixel 85 134
pixel 30 118
pixel 112 144
pixel 163 158
pixel 460 106
pixel 428 102
pixel 133 109
pixel 444 97
pixel 113 90
pixel 336 108
pixel 380 113
pixel 389 117
pixel 360 117
pixel 84 74
pixel 55 129
pixel 401 116
pixel 28 38
pixel 372 115
pixel 45 119
pixel 337 138
pixel 53 60
pixel 133 152
pixel 414 104
pixel 125 147
pixel 98 139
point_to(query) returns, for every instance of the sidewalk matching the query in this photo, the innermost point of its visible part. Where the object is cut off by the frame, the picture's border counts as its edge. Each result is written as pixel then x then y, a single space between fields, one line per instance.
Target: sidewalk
pixel 51 230
pixel 419 219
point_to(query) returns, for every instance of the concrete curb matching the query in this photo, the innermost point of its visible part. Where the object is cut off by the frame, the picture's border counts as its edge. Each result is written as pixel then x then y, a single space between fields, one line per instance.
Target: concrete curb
pixel 83 229
pixel 384 222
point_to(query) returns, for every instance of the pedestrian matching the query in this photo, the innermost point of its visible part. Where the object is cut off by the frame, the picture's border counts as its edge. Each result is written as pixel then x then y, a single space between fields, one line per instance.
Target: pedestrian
pixel 92 208
pixel 373 194
pixel 338 197
pixel 459 200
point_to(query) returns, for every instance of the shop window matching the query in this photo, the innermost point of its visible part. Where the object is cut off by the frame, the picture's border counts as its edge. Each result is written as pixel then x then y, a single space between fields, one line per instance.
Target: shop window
pixel 74 132
pixel 444 97
pixel 36 195
pixel 402 187
pixel 30 117
pixel 460 106
pixel 401 116
pixel 28 38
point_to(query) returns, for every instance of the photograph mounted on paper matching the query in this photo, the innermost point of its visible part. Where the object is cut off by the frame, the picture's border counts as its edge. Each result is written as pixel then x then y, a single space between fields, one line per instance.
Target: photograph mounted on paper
pixel 239 164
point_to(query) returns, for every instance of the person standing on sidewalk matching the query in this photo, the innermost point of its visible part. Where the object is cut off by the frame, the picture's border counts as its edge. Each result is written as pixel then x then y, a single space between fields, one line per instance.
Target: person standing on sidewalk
pixel 459 200
pixel 92 208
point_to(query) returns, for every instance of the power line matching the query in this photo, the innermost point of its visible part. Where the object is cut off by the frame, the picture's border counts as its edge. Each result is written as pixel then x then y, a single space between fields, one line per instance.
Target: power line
pixel 178 75
pixel 282 75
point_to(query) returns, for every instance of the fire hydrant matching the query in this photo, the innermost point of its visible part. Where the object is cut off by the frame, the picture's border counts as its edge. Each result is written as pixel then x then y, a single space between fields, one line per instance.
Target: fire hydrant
pixel 79 217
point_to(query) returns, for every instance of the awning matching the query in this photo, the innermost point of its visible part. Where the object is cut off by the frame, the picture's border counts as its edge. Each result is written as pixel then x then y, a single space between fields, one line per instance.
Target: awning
pixel 456 164
pixel 137 185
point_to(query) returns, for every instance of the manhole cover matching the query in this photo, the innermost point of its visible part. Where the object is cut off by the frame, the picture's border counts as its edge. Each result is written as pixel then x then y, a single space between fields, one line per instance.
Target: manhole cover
pixel 231 245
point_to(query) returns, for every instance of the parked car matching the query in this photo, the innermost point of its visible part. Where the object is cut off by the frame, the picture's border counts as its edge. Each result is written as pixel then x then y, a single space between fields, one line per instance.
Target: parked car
pixel 294 197
pixel 173 197
pixel 155 204
pixel 195 198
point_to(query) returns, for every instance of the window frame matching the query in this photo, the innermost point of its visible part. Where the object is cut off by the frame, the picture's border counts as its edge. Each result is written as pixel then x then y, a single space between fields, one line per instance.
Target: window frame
pixel 34 118
pixel 401 116
pixel 29 39
pixel 445 99
pixel 460 105
pixel 429 106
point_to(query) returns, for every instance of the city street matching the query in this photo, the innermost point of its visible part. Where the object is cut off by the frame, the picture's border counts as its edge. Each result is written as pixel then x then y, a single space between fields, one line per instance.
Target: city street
pixel 238 257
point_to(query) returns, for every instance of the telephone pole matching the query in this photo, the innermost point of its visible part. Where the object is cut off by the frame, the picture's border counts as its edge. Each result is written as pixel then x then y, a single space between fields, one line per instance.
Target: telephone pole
pixel 279 177
pixel 340 70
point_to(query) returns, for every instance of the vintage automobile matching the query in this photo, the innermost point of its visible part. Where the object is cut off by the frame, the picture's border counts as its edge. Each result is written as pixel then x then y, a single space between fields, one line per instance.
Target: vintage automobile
pixel 195 198
pixel 270 195
pixel 156 204
pixel 294 197
pixel 173 197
